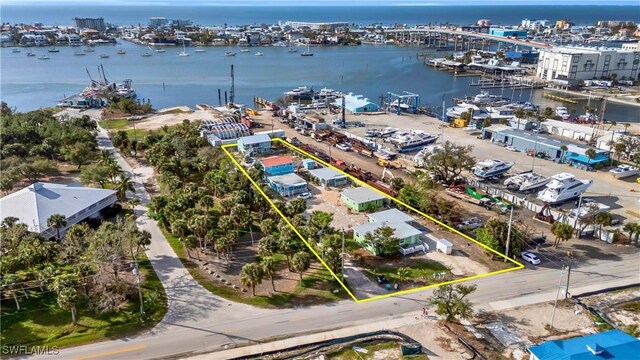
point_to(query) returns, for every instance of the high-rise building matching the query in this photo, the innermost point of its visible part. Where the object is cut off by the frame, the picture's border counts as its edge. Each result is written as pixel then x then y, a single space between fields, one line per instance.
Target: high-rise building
pixel 89 23
pixel 156 22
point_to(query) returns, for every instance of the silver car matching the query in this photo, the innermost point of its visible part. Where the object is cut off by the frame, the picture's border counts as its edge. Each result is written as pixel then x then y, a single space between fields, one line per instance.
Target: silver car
pixel 530 257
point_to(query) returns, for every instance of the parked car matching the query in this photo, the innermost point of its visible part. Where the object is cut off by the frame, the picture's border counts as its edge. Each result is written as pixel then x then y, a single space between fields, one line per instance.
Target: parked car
pixel 305 195
pixel 344 147
pixel 511 148
pixel 471 224
pixel 530 257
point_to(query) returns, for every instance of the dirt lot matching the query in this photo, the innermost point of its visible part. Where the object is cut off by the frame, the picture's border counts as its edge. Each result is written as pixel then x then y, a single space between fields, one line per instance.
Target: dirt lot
pixel 620 307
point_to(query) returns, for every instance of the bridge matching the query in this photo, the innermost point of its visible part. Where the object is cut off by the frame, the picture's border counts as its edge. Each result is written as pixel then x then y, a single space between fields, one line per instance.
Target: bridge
pixel 440 37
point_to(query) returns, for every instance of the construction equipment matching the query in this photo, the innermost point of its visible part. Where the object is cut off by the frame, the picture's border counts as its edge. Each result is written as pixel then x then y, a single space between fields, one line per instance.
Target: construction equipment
pixel 545 214
pixel 386 171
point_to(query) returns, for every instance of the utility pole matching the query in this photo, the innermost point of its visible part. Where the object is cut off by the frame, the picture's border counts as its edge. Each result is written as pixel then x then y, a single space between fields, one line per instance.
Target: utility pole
pixel 566 293
pixel 342 272
pixel 136 272
pixel 506 250
pixel 555 304
pixel 575 224
pixel 232 93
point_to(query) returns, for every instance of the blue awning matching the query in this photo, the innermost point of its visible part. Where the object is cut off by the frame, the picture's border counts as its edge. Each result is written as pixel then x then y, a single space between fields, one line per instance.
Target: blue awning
pixel 585 160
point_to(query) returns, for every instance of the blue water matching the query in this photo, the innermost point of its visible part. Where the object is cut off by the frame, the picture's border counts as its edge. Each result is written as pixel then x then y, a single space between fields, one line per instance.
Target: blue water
pixel 242 15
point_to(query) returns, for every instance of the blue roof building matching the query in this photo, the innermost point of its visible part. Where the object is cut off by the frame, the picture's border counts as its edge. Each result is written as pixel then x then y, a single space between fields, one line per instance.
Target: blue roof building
pixel 609 345
pixel 254 144
pixel 508 32
pixel 357 104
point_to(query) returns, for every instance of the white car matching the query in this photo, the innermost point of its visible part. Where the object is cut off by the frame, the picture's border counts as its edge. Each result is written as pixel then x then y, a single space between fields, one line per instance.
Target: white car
pixel 305 195
pixel 511 148
pixel 344 147
pixel 530 257
pixel 470 224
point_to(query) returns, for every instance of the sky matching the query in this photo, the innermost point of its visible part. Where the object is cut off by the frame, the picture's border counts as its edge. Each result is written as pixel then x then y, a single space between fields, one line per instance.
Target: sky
pixel 319 2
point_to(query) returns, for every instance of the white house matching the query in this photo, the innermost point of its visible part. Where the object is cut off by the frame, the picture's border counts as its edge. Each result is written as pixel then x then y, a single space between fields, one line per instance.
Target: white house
pixel 568 65
pixel 34 204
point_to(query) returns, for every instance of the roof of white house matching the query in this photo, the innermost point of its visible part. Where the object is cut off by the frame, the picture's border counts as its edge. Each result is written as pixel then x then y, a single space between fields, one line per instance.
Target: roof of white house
pixel 34 204
pixel 569 126
pixel 401 230
pixel 255 139
pixel 287 180
pixel 326 174
pixel 391 215
pixel 362 194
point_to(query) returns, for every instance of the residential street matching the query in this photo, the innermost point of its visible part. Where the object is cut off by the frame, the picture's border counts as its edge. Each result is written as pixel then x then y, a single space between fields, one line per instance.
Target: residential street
pixel 198 321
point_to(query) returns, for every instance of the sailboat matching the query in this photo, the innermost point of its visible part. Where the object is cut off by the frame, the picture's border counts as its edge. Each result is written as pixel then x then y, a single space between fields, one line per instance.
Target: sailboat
pixel 184 50
pixel 160 50
pixel 291 49
pixel 30 54
pixel 308 52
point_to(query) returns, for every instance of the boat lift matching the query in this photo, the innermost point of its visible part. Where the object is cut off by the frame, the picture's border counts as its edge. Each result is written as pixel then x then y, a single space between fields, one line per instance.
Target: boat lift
pixel 406 102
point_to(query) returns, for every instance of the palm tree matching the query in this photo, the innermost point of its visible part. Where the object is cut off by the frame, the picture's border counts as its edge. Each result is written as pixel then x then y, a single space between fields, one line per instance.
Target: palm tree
pixel 142 240
pixel 301 263
pixel 266 246
pixel 123 184
pixel 225 244
pixel 65 285
pixel 269 267
pixel 267 226
pixel 562 232
pixel 632 228
pixel 199 226
pixel 179 227
pixel 57 222
pixel 591 154
pixel 190 243
pixel 564 149
pixel 403 273
pixel 251 275
pixel 548 112
pixel 603 219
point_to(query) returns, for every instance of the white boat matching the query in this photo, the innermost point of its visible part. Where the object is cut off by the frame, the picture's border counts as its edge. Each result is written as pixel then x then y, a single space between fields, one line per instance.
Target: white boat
pixel 490 168
pixel 184 50
pixel 455 112
pixel 563 187
pixel 229 53
pixel 200 50
pixel 388 131
pixel 15 50
pixel 160 50
pixel 30 54
pixel 483 97
pixel 89 49
pixel 245 50
pixel 586 209
pixel 104 56
pixel 146 54
pixel 424 153
pixel 121 52
pixel 415 141
pixel 53 50
pixel 79 53
pixel 527 181
pixel 125 89
pixel 259 54
pixel 623 171
pixel 43 57
pixel 292 50
pixel 501 113
pixel 563 112
pixel 308 52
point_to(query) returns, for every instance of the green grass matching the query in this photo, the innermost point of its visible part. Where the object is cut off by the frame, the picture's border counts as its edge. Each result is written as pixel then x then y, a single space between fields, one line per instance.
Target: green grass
pixel 177 111
pixel 41 322
pixel 302 295
pixel 114 124
pixel 422 270
pixel 347 353
pixel 633 306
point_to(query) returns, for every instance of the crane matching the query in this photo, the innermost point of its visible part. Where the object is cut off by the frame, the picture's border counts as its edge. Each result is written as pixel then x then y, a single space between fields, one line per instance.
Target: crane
pixel 386 171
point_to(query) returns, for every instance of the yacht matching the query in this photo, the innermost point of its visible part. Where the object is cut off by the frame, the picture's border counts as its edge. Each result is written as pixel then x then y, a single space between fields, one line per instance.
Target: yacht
pixel 52 50
pixel 563 112
pixel 388 131
pixel 490 168
pixel 259 54
pixel 526 181
pixel 43 57
pixel 200 50
pixel 146 54
pixel 483 97
pixel 623 171
pixel 501 113
pixel 245 50
pixel 412 142
pixel 160 50
pixel 229 53
pixel 455 112
pixel 563 187
pixel 301 92
pixel 125 89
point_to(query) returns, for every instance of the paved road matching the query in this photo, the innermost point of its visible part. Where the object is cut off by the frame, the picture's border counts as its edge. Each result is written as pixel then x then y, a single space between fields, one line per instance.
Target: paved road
pixel 198 321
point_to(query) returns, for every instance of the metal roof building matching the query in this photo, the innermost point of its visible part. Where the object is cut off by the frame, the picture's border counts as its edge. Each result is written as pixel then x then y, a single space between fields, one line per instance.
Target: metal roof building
pixel 610 345
pixel 34 205
pixel 391 216
pixel 329 177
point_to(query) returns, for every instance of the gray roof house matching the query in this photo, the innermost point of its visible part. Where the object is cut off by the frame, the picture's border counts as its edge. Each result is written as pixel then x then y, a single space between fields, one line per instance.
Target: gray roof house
pixel 329 177
pixel 390 216
pixel 34 204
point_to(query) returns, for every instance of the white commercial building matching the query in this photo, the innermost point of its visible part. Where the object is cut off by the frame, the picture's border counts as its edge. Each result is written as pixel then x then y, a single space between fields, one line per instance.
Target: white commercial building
pixel 534 24
pixel 568 65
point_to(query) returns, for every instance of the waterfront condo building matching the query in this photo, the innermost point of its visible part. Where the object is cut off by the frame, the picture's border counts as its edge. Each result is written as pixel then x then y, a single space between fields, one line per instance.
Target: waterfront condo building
pixel 568 65
pixel 89 23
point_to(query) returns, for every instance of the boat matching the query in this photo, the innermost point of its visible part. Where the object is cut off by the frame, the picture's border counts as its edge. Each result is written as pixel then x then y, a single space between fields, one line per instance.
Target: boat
pixel 52 50
pixel 412 142
pixel 160 50
pixel 146 54
pixel 200 50
pixel 388 131
pixel 104 56
pixel 563 112
pixel 184 50
pixel 259 54
pixel 501 113
pixel 478 115
pixel 424 153
pixel 292 50
pixel 308 52
pixel 490 168
pixel 89 49
pixel 623 171
pixel 30 54
pixel 15 50
pixel 125 89
pixel 229 53
pixel 563 187
pixel 588 209
pixel 483 97
pixel 245 50
pixel 43 57
pixel 121 52
pixel 79 53
pixel 301 92
pixel 526 181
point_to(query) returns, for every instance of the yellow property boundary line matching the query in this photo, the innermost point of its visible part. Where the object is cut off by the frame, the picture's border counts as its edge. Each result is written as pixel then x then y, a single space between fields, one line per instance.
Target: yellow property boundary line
pixel 358 181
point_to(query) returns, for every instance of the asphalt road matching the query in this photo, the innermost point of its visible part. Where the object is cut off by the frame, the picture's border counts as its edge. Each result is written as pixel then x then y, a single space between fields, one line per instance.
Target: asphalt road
pixel 197 321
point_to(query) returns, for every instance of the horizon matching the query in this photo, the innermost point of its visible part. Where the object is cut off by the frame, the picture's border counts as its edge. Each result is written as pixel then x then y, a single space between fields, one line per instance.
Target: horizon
pixel 315 3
